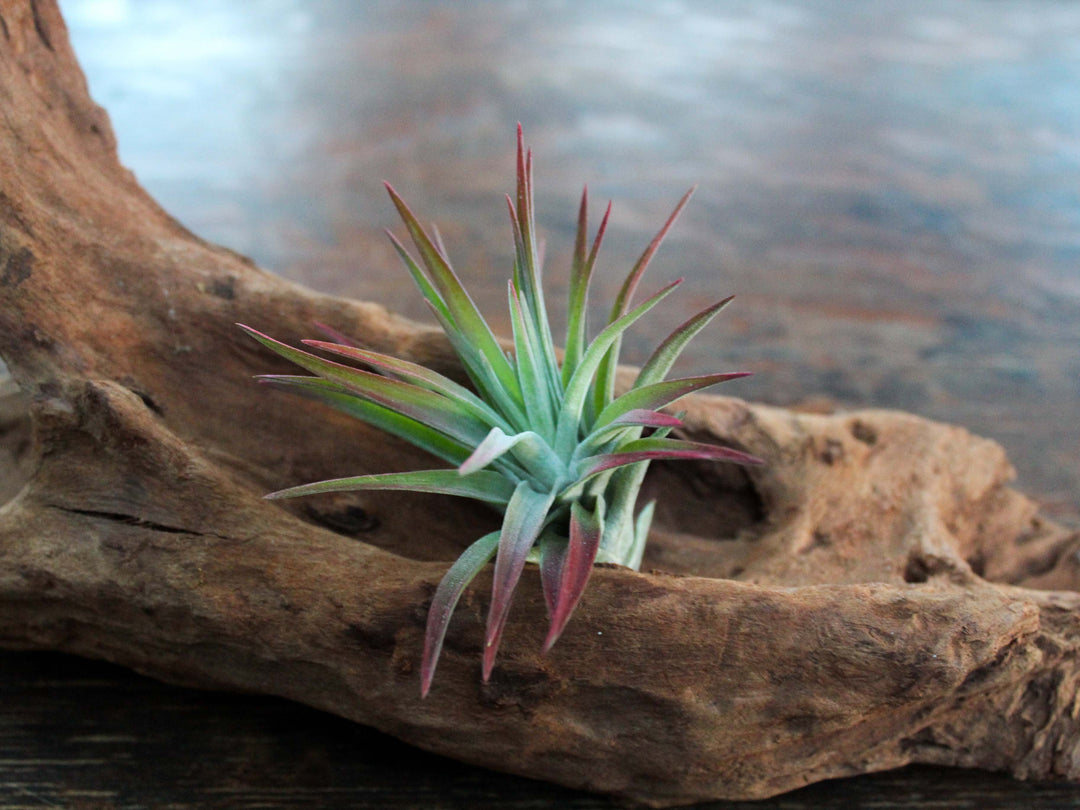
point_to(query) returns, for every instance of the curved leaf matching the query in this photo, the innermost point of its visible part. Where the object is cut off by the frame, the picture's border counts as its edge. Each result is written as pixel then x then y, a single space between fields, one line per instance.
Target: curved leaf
pixel 434 410
pixel 525 516
pixel 415 374
pixel 665 355
pixel 461 573
pixel 605 378
pixel 341 398
pixel 586 528
pixel 650 449
pixel 570 415
pixel 459 306
pixel 640 417
pixel 657 395
pixel 485 485
pixel 530 450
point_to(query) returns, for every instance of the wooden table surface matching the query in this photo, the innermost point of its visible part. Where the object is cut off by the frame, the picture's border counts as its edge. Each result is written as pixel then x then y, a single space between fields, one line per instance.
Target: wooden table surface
pixel 891 189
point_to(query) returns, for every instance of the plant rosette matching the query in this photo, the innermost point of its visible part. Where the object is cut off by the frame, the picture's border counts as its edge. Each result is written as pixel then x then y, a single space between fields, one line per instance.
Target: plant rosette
pixel 546 442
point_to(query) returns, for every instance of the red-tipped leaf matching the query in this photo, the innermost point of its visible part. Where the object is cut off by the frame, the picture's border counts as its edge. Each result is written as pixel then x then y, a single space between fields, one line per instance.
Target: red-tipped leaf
pixel 580 276
pixel 461 573
pixel 661 360
pixel 552 555
pixel 586 529
pixel 657 395
pixel 654 449
pixel 484 485
pixel 432 409
pixel 605 378
pixel 525 516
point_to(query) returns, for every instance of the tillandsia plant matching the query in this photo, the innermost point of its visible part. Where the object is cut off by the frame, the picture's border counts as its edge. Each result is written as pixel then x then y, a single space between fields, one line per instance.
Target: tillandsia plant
pixel 547 442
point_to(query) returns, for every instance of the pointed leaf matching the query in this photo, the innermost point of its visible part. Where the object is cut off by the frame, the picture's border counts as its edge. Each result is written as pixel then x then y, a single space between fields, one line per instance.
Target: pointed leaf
pixel 640 417
pixel 622 301
pixel 525 516
pixel 659 394
pixel 485 485
pixel 580 276
pixel 335 335
pixel 415 374
pixel 532 377
pixel 464 315
pixel 552 555
pixel 570 415
pixel 649 449
pixel 529 449
pixel 661 361
pixel 442 413
pixel 586 529
pixel 461 573
pixel 344 400
pixel 605 379
pixel 527 269
pixel 427 289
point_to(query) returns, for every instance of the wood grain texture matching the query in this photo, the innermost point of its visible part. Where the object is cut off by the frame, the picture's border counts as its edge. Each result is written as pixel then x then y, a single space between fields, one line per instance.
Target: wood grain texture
pixel 83 734
pixel 102 377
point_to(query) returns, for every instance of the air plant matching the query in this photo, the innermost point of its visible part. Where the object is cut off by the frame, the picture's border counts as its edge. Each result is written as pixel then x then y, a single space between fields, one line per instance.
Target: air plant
pixel 544 440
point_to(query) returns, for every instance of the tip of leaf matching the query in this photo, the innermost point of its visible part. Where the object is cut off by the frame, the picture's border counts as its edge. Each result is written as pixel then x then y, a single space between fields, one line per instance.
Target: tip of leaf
pixel 427 675
pixel 549 641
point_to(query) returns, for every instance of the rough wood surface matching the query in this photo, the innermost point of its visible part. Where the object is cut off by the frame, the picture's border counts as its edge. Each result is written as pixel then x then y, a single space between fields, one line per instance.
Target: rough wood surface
pixel 875 596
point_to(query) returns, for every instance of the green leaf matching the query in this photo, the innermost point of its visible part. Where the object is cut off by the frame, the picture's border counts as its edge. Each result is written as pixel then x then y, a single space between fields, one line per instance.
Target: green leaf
pixel 659 394
pixel 461 312
pixel 431 295
pixel 661 361
pixel 453 584
pixel 539 403
pixel 586 529
pixel 487 486
pixel 442 413
pixel 570 415
pixel 528 448
pixel 580 276
pixel 344 400
pixel 415 374
pixel 652 448
pixel 605 378
pixel 480 371
pixel 525 517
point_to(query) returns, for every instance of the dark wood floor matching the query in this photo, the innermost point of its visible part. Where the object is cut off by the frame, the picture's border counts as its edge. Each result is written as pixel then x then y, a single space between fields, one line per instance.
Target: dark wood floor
pixel 891 189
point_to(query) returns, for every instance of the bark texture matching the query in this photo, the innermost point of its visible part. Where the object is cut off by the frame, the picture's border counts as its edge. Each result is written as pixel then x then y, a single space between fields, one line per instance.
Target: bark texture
pixel 875 595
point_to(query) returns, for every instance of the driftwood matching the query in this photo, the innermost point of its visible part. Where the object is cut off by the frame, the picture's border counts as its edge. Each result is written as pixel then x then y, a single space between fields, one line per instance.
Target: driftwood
pixel 875 595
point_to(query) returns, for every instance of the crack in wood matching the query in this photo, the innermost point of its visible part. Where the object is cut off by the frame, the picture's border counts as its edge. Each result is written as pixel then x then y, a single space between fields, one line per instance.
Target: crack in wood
pixel 127 520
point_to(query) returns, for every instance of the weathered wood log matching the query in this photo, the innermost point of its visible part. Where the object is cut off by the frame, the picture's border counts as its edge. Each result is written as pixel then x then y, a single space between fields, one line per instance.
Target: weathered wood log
pixel 875 595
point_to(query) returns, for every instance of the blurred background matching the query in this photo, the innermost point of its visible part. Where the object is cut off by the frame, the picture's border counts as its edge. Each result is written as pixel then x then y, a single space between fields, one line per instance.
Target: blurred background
pixel 891 189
